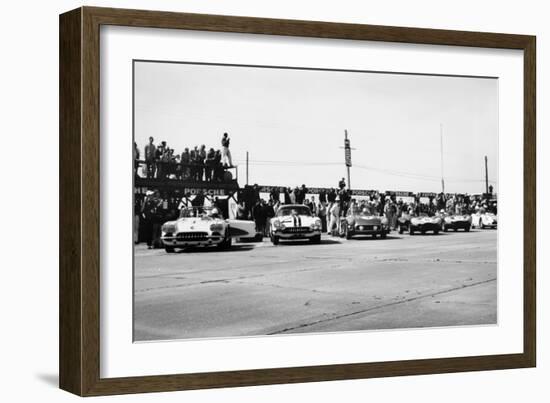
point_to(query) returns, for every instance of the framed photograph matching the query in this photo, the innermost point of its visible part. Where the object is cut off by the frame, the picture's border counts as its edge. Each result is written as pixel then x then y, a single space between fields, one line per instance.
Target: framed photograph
pixel 249 201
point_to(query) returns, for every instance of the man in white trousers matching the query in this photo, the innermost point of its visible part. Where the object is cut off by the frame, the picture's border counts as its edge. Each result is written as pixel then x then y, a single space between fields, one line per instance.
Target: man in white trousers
pixel 226 154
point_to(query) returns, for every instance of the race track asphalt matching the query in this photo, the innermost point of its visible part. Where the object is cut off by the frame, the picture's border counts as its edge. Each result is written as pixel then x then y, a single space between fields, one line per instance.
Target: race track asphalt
pixel 403 281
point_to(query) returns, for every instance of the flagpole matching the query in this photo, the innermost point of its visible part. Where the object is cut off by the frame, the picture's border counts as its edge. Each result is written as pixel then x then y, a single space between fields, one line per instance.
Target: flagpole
pixel 441 144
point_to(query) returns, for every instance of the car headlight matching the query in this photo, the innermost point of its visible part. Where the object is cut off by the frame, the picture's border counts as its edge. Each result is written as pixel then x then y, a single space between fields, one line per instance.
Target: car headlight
pixel 316 225
pixel 277 224
pixel 216 227
pixel 168 228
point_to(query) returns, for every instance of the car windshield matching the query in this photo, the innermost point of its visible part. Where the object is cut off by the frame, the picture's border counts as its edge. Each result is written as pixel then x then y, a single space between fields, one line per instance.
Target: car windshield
pixel 294 210
pixel 200 212
pixel 358 210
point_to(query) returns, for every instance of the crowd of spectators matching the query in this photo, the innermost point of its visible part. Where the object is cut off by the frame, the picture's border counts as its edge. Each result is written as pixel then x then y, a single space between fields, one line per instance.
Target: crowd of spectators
pixel 196 164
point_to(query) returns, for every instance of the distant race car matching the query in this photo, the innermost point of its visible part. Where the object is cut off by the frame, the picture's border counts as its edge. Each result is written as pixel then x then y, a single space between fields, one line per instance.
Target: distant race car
pixel 484 220
pixel 456 222
pixel 203 226
pixel 295 221
pixel 423 223
pixel 361 222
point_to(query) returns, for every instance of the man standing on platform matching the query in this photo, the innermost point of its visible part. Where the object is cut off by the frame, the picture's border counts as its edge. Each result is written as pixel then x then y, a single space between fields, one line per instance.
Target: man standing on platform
pixel 226 154
pixel 150 154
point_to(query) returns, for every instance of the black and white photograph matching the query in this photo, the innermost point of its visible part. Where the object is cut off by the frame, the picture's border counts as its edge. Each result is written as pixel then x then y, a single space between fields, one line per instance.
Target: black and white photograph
pixel 275 200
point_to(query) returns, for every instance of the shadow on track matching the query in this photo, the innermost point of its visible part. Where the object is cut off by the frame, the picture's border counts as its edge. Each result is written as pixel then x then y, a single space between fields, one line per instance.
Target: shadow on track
pixel 208 249
pixel 324 241
pixel 377 239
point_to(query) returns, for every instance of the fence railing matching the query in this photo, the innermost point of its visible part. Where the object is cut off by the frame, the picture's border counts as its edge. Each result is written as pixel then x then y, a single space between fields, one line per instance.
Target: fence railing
pixel 192 172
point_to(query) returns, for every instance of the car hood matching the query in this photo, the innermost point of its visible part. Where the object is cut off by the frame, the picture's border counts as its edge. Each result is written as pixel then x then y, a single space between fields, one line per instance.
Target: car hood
pixel 458 218
pixel 366 219
pixel 426 220
pixel 296 221
pixel 196 224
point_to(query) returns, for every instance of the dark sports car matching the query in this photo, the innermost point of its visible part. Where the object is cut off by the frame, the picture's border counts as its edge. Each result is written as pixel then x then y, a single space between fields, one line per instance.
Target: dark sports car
pixel 421 223
pixel 361 222
pixel 456 222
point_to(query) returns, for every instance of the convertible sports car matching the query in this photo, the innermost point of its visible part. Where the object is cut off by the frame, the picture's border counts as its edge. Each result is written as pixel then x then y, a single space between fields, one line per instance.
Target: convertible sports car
pixel 484 220
pixel 203 226
pixel 456 222
pixel 424 223
pixel 295 221
pixel 361 222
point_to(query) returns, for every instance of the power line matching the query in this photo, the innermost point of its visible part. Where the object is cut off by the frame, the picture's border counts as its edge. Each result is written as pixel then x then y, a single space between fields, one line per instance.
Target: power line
pixel 410 175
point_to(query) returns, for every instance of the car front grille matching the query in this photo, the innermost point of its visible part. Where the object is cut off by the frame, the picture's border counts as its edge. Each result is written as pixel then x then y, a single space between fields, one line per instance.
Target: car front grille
pixel 192 236
pixel 296 230
pixel 364 227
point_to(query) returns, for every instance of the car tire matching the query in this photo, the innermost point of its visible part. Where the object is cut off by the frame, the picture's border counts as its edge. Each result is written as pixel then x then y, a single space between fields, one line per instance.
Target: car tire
pixel 169 249
pixel 411 230
pixel 275 240
pixel 316 239
pixel 343 230
pixel 348 234
pixel 226 243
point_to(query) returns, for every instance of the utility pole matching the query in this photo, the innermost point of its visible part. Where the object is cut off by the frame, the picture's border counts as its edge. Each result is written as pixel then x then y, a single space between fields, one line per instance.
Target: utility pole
pixel 347 154
pixel 486 177
pixel 247 167
pixel 441 143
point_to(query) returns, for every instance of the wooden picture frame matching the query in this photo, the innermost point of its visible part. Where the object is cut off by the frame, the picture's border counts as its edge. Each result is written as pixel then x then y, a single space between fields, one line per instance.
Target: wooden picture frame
pixel 80 185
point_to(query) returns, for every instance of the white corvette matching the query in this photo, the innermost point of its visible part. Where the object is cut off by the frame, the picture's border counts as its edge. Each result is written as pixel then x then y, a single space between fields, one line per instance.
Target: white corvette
pixel 203 226
pixel 295 221
pixel 484 220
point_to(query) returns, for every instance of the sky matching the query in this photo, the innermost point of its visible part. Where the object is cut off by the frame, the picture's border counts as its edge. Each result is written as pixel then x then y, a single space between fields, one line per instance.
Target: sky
pixel 292 123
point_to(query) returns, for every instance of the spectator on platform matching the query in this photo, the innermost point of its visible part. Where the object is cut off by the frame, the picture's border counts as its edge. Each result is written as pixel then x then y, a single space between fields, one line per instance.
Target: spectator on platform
pixel 185 160
pixel 150 155
pixel 210 165
pixel 159 153
pixel 201 161
pixel 136 158
pixel 226 154
pixel 218 167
